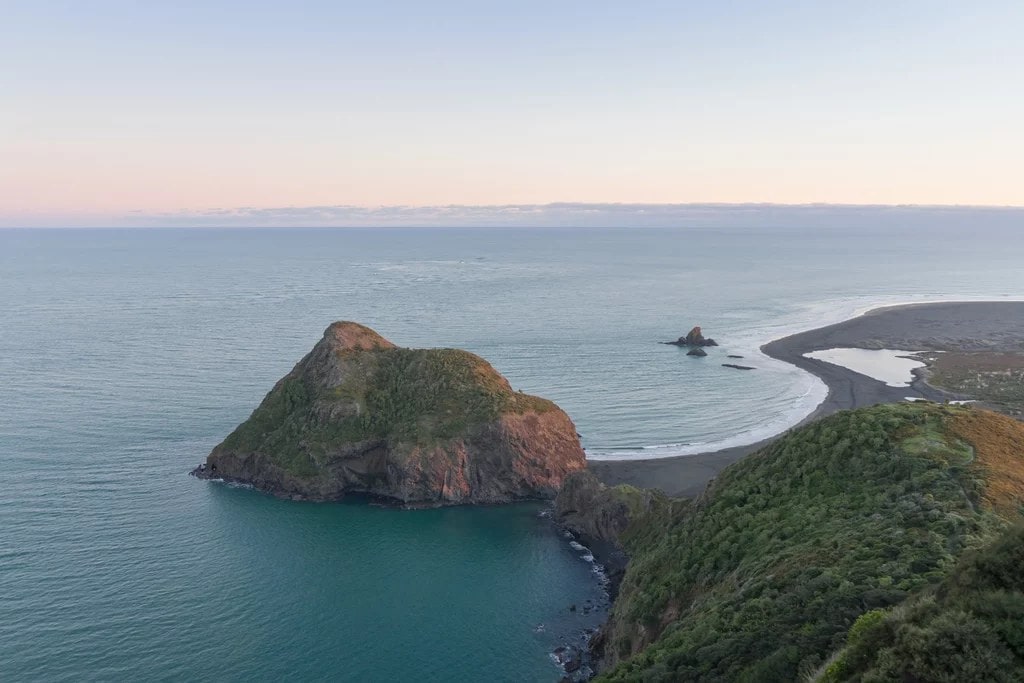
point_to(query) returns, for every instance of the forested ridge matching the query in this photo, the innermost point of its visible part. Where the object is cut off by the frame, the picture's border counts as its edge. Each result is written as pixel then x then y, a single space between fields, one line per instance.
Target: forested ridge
pixel 762 577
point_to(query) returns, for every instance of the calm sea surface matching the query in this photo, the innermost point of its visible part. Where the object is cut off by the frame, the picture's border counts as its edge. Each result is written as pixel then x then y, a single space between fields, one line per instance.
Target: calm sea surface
pixel 125 356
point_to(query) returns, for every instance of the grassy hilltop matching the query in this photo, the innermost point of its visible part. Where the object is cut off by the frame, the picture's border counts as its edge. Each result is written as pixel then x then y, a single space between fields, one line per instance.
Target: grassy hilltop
pixel 762 577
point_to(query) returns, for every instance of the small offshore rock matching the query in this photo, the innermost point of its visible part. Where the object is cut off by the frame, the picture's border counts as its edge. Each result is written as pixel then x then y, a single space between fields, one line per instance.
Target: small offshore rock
pixel 694 338
pixel 738 367
pixel 733 356
pixel 699 352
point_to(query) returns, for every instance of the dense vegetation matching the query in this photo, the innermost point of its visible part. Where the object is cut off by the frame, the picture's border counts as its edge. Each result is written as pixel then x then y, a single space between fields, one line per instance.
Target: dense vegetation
pixel 762 578
pixel 410 396
pixel 970 629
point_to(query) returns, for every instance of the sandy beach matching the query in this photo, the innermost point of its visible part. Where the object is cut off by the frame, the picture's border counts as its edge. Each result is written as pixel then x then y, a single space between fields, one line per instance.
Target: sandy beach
pixel 948 326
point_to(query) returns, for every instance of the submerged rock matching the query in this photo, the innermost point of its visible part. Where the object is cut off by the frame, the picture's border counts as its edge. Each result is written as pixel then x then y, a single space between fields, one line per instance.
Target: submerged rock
pixel 738 367
pixel 418 426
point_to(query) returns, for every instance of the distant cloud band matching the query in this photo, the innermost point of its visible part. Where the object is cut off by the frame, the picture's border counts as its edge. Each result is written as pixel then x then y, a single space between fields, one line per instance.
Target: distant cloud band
pixel 581 215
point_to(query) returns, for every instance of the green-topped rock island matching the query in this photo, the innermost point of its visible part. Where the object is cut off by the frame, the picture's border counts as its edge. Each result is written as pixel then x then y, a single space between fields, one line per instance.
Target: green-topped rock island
pixel 359 415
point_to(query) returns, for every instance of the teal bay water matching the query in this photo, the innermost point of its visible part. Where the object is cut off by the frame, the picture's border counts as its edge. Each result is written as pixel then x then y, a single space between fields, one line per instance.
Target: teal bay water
pixel 126 355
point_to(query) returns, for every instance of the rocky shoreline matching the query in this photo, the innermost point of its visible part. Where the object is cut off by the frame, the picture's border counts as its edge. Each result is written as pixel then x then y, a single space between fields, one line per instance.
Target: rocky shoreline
pixel 596 516
pixel 578 658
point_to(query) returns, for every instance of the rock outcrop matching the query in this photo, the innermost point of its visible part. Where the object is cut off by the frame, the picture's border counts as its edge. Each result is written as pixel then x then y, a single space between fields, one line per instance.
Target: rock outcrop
pixel 598 512
pixel 738 367
pixel 697 351
pixel 599 515
pixel 693 338
pixel 417 426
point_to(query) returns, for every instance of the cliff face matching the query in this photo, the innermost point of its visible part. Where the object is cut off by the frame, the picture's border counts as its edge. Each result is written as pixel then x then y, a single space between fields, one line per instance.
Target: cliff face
pixel 434 426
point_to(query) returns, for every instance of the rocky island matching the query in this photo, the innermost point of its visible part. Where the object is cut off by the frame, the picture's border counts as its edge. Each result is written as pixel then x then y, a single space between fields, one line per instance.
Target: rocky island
pixel 693 338
pixel 359 415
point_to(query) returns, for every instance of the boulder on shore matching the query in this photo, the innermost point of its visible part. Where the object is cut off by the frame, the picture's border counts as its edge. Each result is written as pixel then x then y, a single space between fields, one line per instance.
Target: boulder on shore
pixel 417 426
pixel 693 338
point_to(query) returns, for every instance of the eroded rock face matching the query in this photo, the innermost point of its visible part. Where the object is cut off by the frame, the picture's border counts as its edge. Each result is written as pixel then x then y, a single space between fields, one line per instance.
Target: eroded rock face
pixel 589 509
pixel 695 338
pixel 598 513
pixel 419 426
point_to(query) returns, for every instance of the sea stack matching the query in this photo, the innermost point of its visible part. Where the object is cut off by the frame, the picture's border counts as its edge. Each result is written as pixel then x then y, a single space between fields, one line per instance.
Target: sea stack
pixel 416 426
pixel 693 338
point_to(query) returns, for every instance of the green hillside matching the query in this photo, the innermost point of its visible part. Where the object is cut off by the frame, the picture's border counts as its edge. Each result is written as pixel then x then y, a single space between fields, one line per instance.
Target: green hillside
pixel 971 628
pixel 762 578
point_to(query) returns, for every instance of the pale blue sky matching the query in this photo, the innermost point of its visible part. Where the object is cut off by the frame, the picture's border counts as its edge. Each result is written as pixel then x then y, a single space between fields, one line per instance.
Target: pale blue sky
pixel 109 108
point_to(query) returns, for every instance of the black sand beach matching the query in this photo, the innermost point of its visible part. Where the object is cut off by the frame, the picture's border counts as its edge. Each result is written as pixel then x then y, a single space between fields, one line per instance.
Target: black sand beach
pixel 948 326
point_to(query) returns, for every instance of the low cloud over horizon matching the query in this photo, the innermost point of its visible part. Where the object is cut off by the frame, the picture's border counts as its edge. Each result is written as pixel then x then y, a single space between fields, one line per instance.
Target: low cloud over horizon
pixel 563 214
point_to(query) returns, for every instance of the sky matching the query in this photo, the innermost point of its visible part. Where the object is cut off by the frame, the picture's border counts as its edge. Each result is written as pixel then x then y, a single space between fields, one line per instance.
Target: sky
pixel 118 113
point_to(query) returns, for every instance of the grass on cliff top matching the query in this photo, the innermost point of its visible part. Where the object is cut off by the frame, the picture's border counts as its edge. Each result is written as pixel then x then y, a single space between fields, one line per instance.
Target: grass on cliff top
pixel 410 396
pixel 761 579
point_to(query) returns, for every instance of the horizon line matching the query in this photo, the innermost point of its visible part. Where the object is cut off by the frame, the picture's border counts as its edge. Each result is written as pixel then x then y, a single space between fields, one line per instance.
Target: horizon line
pixel 552 214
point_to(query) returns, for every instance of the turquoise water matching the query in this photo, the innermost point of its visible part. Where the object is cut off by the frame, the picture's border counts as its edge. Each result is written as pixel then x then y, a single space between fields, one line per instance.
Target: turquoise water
pixel 125 356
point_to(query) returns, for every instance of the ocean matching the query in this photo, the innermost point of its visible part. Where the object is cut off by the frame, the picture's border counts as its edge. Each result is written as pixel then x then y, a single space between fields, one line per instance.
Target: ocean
pixel 126 355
